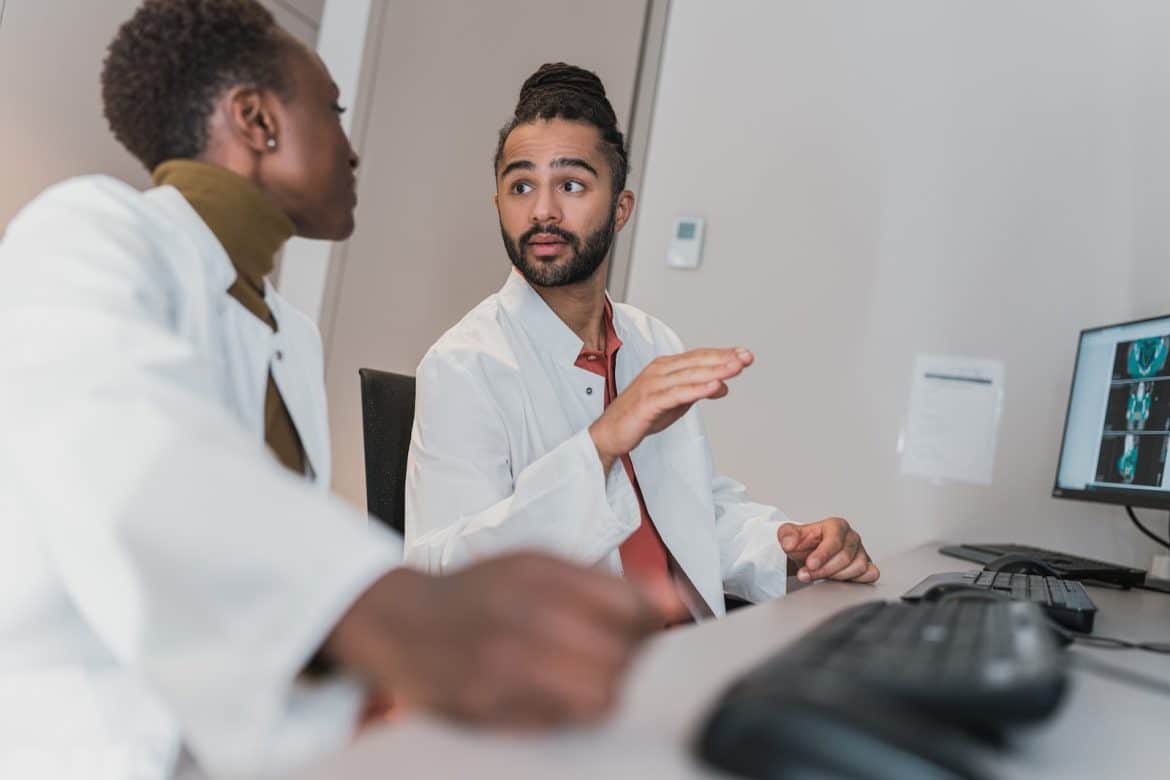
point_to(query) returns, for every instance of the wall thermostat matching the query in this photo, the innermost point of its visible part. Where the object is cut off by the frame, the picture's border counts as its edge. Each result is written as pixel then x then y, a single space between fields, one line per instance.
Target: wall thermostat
pixel 686 243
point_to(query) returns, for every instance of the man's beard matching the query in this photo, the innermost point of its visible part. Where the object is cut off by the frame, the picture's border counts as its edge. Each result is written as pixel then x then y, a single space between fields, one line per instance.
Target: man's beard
pixel 585 259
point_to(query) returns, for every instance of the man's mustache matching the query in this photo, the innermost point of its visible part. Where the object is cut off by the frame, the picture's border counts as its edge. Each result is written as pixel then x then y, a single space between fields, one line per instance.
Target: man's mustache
pixel 549 230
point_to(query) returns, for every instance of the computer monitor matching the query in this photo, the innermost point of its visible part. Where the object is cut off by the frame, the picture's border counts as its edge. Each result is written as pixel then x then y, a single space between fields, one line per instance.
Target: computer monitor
pixel 1117 428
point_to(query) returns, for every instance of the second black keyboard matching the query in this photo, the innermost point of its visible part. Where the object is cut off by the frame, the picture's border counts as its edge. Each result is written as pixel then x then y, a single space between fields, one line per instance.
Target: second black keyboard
pixel 1072 567
pixel 1065 601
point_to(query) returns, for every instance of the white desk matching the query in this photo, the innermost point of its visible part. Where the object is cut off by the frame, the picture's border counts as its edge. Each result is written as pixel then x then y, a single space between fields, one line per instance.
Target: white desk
pixel 1105 729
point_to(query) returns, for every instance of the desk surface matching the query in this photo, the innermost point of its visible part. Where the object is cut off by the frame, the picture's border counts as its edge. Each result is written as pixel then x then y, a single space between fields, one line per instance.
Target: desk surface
pixel 1109 726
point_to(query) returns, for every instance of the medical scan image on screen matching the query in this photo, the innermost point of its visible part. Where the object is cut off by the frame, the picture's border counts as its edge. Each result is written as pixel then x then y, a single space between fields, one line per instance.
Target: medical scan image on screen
pixel 1137 415
pixel 1117 432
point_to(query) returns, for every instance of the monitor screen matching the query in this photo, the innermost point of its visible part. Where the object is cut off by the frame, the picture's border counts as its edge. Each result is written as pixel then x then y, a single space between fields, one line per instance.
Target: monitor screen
pixel 1118 422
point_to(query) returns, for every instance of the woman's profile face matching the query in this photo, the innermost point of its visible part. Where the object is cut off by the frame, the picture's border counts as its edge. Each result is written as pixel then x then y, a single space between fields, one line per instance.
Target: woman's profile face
pixel 311 174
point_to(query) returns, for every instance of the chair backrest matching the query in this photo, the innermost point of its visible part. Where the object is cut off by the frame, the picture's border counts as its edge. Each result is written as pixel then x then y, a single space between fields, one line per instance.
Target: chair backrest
pixel 387 418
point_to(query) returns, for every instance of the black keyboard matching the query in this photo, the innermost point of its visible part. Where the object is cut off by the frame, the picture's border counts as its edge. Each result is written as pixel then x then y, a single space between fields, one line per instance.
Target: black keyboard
pixel 1070 567
pixel 1064 601
pixel 986 662
pixel 889 684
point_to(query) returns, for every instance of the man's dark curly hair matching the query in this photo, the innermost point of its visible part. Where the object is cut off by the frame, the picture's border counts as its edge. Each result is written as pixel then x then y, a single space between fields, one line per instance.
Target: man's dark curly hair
pixel 169 63
pixel 560 91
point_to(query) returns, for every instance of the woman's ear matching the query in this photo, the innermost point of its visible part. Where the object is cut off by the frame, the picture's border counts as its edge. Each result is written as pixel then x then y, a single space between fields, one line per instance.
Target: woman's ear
pixel 250 120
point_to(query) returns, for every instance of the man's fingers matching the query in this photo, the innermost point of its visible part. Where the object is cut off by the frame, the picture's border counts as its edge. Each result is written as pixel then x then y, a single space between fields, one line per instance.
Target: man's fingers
pixel 698 375
pixel 665 604
pixel 706 357
pixel 850 571
pixel 695 358
pixel 806 538
pixel 576 634
pixel 833 534
pixel 551 690
pixel 685 395
pixel 798 538
pixel 789 536
pixel 847 555
pixel 872 573
pixel 616 604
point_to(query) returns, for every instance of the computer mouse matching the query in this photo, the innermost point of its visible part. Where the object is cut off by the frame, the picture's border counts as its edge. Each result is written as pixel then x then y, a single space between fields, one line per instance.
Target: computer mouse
pixel 823 730
pixel 1024 564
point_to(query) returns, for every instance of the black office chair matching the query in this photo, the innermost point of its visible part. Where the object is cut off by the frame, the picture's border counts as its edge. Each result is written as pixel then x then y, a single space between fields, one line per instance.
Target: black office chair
pixel 387 417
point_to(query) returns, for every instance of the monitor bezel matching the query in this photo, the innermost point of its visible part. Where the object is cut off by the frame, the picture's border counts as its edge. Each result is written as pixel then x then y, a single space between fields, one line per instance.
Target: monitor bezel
pixel 1136 498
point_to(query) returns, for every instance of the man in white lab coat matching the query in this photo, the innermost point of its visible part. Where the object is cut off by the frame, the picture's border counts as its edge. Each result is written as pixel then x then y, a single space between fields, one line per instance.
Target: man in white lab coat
pixel 551 417
pixel 173 570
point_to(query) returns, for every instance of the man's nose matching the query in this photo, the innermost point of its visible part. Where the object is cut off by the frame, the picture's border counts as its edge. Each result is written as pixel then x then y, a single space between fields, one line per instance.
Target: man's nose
pixel 546 209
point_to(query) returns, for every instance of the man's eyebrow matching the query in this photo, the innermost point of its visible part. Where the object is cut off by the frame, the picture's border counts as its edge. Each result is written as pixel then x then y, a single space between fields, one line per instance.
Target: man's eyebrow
pixel 518 165
pixel 573 162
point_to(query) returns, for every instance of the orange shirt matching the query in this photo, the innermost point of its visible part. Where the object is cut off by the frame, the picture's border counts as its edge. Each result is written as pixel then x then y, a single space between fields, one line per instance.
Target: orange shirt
pixel 643 554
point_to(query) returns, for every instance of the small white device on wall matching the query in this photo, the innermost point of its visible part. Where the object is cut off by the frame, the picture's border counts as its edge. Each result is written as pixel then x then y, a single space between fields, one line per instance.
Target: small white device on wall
pixel 686 243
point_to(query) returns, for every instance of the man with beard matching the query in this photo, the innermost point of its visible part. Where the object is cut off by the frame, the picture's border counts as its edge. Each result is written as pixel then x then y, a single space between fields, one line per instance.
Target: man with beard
pixel 553 418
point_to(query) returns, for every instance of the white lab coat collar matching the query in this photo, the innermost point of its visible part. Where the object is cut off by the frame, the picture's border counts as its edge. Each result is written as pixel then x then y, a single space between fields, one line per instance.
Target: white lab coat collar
pixel 548 332
pixel 549 335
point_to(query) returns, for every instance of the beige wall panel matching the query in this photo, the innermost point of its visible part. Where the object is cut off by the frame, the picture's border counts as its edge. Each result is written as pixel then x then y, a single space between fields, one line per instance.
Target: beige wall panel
pixel 51 124
pixel 427 247
pixel 310 10
pixel 298 21
pixel 51 127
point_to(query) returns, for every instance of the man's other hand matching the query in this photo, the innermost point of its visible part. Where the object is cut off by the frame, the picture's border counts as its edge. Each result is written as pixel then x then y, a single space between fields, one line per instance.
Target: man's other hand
pixel 523 639
pixel 827 550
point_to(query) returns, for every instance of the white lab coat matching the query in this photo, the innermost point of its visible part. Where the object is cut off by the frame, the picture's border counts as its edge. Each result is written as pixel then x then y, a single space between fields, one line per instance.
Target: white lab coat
pixel 163 580
pixel 501 458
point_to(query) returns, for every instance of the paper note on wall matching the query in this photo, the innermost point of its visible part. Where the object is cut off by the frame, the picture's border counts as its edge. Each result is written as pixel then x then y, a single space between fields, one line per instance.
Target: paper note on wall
pixel 953 424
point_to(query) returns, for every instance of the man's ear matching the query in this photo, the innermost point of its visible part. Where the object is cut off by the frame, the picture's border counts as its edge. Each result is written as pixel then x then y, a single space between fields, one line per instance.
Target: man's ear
pixel 624 210
pixel 250 119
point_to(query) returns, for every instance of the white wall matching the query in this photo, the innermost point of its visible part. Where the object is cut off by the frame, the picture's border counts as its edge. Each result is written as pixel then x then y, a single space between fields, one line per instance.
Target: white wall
pixel 1151 138
pixel 882 179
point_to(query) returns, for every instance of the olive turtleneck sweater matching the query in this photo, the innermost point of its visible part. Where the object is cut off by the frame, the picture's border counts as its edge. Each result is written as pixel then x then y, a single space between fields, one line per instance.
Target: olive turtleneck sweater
pixel 252 230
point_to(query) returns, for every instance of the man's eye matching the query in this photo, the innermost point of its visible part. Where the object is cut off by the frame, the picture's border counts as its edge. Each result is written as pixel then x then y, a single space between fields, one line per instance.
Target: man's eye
pixel 338 109
pixel 521 188
pixel 574 186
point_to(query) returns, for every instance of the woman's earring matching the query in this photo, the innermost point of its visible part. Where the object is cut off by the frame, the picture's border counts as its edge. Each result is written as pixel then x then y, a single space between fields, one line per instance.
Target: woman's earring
pixel 271 142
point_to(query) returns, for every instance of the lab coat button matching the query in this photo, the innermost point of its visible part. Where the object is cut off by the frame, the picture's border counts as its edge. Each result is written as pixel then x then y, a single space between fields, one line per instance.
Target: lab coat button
pixel 588 391
pixel 279 355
